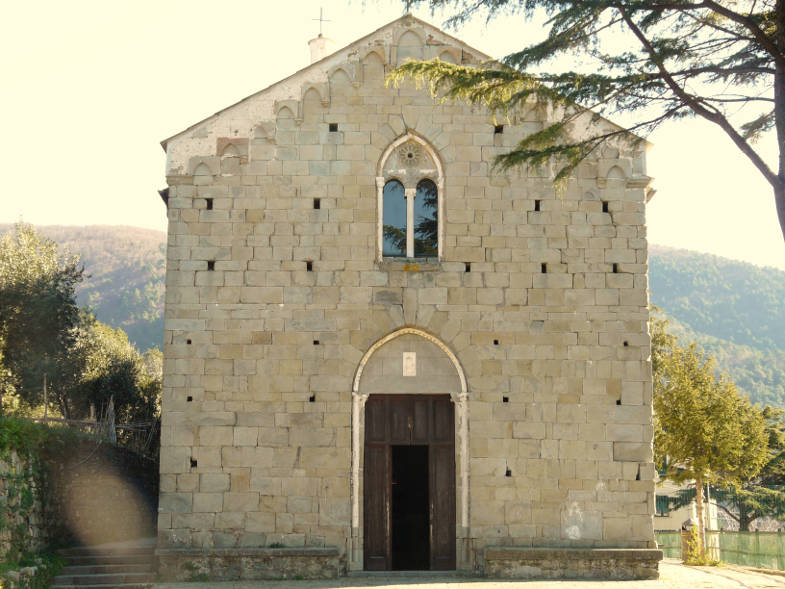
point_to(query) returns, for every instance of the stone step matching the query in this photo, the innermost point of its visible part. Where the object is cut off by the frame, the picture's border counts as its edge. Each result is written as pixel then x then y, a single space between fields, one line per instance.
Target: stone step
pixel 106 569
pixel 115 586
pixel 103 559
pixel 104 579
pixel 89 550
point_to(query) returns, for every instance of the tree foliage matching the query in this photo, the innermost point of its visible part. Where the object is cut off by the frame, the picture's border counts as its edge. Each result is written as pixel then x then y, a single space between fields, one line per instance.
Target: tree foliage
pixel 43 331
pixel 704 431
pixel 38 311
pixel 659 60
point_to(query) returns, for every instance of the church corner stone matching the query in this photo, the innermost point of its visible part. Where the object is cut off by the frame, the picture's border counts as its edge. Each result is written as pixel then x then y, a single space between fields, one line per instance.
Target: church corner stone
pixel 360 315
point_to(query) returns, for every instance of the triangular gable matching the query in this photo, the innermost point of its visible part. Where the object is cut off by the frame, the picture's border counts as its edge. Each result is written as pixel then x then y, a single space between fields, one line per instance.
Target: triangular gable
pixel 342 55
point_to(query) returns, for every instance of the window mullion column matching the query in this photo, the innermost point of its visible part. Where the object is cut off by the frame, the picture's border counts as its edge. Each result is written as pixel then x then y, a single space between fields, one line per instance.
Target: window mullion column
pixel 410 195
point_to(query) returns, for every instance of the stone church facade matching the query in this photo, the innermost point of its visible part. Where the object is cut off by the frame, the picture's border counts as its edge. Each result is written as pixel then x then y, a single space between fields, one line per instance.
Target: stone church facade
pixel 382 354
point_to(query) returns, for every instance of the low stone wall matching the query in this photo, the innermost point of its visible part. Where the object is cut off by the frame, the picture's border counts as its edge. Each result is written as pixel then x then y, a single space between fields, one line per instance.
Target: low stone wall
pixel 23 518
pixel 232 564
pixel 571 563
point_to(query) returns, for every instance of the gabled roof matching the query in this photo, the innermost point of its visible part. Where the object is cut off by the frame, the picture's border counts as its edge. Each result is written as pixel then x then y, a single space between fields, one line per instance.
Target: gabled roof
pixel 347 49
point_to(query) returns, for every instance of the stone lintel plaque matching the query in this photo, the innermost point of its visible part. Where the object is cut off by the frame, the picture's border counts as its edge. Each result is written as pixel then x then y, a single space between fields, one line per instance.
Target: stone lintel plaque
pixel 410 363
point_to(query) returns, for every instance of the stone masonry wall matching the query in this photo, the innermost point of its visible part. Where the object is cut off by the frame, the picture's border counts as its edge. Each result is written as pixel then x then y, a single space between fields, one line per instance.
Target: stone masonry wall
pixel 549 324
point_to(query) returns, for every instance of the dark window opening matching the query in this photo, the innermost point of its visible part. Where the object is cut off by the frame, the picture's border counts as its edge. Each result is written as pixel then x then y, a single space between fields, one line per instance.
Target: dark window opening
pixel 536 205
pixel 468 267
pixel 605 206
pixel 189 398
pixel 394 219
pixel 317 203
pixel 618 401
pixel 316 342
pixel 426 225
pixel 505 399
pixel 411 549
pixel 209 204
pixel 626 343
pixel 312 399
pixel 498 129
pixel 543 268
pixel 495 342
pixel 308 266
pixel 333 127
pixel 615 268
pixel 508 472
pixel 188 342
pixel 193 462
pixel 211 265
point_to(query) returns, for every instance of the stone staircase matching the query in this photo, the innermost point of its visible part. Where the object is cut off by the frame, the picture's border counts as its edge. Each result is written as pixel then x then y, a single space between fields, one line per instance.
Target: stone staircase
pixel 99 567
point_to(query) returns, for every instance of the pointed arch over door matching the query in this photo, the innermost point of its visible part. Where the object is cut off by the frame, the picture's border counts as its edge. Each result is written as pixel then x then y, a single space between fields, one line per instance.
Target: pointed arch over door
pixel 434 373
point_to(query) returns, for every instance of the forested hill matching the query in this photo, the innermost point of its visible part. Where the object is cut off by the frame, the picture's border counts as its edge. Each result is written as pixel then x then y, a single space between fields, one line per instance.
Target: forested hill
pixel 734 309
pixel 124 269
pixel 726 299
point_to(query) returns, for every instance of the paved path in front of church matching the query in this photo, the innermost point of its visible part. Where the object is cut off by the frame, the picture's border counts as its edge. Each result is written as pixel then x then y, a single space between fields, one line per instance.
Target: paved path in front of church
pixel 673 575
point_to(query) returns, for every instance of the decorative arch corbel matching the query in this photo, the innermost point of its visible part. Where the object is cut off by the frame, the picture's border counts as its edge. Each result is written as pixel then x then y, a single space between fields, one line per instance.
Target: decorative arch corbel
pixel 321 89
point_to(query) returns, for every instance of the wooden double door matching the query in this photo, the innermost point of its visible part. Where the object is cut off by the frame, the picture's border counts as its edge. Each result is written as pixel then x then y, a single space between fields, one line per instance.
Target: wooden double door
pixel 409 483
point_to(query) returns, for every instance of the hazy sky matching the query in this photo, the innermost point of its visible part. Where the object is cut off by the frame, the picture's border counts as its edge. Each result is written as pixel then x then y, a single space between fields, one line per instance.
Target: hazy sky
pixel 90 88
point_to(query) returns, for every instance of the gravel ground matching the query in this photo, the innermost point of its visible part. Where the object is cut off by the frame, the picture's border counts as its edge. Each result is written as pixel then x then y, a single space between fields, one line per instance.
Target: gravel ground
pixel 673 575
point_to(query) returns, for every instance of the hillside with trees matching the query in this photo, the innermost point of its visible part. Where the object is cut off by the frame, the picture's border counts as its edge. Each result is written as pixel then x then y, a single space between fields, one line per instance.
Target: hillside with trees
pixel 734 310
pixel 56 355
pixel 123 283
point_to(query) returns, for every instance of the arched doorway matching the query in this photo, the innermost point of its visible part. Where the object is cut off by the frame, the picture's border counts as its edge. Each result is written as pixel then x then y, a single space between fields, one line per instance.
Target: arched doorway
pixel 409 456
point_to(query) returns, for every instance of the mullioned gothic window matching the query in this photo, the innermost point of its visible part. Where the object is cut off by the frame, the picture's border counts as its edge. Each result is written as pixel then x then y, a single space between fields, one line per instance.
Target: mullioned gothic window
pixel 410 200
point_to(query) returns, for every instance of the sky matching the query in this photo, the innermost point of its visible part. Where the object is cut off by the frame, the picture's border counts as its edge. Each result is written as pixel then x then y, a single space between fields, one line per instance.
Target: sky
pixel 90 88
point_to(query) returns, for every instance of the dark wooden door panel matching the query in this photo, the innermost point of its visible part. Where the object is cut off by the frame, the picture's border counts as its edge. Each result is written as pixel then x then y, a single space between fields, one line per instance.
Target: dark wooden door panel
pixel 441 470
pixel 421 420
pixel 375 420
pixel 401 420
pixel 395 420
pixel 443 422
pixel 376 512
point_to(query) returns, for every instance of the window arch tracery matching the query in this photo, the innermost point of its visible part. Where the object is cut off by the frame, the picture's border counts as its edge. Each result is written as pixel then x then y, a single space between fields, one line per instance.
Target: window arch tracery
pixel 410 186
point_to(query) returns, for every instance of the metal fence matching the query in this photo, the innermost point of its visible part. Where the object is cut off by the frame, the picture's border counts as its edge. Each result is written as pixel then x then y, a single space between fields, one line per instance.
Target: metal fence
pixel 754 549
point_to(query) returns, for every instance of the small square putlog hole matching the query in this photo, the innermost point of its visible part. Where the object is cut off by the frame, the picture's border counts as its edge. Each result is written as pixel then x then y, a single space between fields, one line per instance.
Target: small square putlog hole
pixel 312 399
pixel 498 129
pixel 508 472
pixel 189 399
pixel 333 127
pixel 505 399
pixel 495 342
pixel 193 462
pixel 210 265
pixel 316 342
pixel 317 203
pixel 309 266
